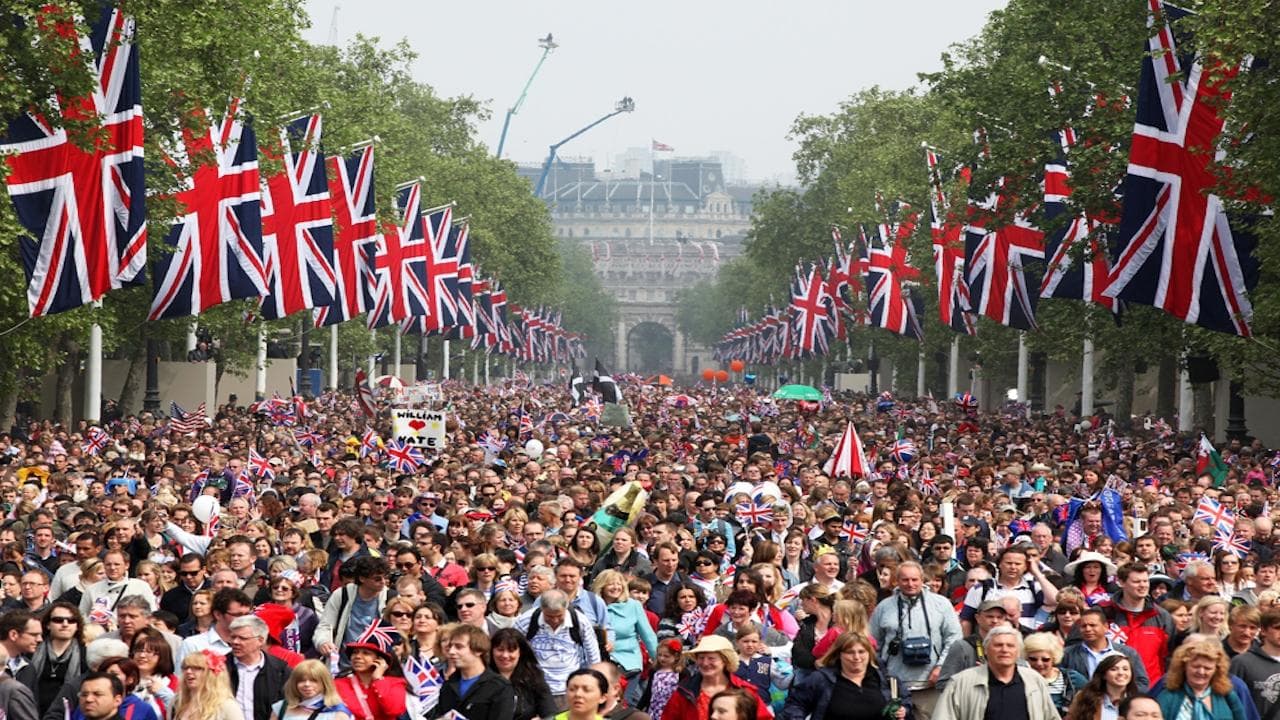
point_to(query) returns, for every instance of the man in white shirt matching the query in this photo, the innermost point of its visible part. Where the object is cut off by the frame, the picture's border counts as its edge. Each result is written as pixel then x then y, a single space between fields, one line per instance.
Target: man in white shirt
pixel 228 604
pixel 257 679
pixel 105 594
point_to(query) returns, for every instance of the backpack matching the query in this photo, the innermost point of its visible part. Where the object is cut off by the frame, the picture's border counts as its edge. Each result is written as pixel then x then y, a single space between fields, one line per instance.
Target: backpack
pixel 575 632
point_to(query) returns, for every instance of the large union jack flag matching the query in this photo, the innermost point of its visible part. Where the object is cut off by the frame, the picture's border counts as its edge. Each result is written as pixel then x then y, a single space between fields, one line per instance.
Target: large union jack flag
pixel 812 308
pixel 398 265
pixel 1179 251
pixel 217 238
pixel 464 293
pixel 82 207
pixel 886 270
pixel 948 254
pixel 441 268
pixel 297 225
pixel 1077 259
pixel 355 237
pixel 999 260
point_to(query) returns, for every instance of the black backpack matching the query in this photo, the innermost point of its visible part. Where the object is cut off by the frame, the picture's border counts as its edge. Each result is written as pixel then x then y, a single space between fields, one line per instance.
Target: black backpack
pixel 575 632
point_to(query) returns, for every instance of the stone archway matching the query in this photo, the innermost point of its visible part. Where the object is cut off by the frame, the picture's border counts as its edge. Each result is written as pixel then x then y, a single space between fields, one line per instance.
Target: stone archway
pixel 650 348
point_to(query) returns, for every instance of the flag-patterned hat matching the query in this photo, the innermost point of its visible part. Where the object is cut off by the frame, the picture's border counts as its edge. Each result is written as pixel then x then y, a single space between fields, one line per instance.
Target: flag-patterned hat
pixel 380 638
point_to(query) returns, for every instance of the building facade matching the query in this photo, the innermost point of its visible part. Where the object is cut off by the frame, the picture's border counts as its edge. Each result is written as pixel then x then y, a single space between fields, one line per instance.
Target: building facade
pixel 651 234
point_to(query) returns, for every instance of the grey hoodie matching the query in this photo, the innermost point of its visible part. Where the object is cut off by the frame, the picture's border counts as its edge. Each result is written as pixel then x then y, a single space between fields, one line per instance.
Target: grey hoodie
pixel 1261 673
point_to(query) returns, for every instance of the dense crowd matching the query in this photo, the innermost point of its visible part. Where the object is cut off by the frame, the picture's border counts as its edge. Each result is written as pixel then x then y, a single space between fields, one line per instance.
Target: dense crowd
pixel 284 564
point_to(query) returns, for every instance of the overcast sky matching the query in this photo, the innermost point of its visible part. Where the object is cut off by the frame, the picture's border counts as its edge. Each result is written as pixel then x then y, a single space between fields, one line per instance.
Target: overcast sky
pixel 706 75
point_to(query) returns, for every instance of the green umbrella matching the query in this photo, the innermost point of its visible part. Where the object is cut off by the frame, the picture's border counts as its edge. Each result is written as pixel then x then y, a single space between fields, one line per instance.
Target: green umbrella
pixel 797 392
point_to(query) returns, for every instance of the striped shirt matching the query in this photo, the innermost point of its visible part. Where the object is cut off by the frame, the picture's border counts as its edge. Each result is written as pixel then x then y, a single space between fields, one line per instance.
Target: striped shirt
pixel 1028 592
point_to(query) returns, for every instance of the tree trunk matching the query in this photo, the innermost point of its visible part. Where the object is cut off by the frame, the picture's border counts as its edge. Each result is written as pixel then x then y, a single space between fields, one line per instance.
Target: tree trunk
pixel 63 406
pixel 1167 387
pixel 1202 408
pixel 9 402
pixel 134 380
pixel 1125 379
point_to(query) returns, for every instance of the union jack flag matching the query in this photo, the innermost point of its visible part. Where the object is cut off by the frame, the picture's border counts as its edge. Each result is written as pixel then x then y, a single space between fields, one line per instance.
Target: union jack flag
pixel 464 295
pixel 242 487
pixel 998 261
pixel 1179 252
pixel 423 678
pixel 261 465
pixel 364 395
pixel 751 513
pixel 346 484
pixel 95 441
pixel 812 308
pixel 308 437
pixel 1117 634
pixel 297 225
pixel 399 263
pixel 928 484
pixel 441 263
pixel 217 239
pixel 197 485
pixel 355 237
pixel 854 532
pixel 1232 543
pixel 82 208
pixel 384 637
pixel 492 442
pixel 403 458
pixel 1078 265
pixel 947 232
pixel 1219 516
pixel 903 451
pixel 694 622
pixel 369 443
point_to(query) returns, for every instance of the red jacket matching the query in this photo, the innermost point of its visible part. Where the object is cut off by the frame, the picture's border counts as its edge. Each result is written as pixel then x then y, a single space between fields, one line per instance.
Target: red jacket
pixel 1148 632
pixel 383 700
pixel 689 703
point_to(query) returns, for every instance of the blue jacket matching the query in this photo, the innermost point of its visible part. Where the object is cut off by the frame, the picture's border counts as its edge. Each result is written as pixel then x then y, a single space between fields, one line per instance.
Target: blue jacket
pixel 811 697
pixel 1076 657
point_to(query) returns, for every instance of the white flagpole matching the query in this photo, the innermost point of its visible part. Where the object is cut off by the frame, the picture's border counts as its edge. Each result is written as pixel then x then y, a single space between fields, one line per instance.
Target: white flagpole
pixel 260 383
pixel 395 354
pixel 1022 368
pixel 333 357
pixel 445 368
pixel 486 369
pixel 372 359
pixel 1086 378
pixel 953 369
pixel 920 373
pixel 93 374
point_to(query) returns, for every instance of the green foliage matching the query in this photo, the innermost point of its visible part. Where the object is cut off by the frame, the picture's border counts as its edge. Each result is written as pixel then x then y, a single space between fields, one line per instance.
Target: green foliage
pixel 191 61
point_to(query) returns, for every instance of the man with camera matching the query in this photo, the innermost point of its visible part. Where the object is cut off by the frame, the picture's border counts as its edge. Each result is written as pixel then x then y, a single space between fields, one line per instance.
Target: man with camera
pixel 913 628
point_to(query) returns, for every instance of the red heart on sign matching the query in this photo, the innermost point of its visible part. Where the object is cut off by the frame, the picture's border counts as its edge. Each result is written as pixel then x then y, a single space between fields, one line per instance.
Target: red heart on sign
pixel 417 425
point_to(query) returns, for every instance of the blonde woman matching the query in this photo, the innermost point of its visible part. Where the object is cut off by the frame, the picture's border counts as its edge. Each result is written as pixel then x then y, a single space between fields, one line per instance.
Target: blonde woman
pixel 1209 616
pixel 399 614
pixel 309 694
pixel 149 573
pixel 204 691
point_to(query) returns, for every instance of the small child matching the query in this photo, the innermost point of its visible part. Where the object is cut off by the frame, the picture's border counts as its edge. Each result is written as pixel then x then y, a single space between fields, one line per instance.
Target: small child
pixel 771 675
pixel 666 676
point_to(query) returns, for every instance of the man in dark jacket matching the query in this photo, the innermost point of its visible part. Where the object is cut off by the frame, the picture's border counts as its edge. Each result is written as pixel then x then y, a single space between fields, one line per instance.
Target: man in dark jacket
pixel 474 691
pixel 1259 667
pixel 266 673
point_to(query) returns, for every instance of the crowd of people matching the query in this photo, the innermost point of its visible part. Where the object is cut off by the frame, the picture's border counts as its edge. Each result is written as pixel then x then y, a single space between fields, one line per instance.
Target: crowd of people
pixel 705 562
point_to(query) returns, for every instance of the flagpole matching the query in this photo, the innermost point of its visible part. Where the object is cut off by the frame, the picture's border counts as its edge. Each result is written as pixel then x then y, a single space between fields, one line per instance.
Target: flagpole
pixel 1022 368
pixel 1186 401
pixel 920 373
pixel 333 357
pixel 93 373
pixel 1086 379
pixel 486 369
pixel 260 383
pixel 953 369
pixel 373 334
pixel 395 354
pixel 445 368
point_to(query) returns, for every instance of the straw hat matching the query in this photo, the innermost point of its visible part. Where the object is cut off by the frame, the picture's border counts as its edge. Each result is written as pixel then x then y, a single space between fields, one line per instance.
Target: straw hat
pixel 1089 556
pixel 717 644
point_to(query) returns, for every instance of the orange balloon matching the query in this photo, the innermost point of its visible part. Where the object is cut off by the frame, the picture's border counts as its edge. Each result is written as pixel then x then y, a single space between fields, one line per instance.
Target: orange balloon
pixel 722 375
pixel 708 374
pixel 737 365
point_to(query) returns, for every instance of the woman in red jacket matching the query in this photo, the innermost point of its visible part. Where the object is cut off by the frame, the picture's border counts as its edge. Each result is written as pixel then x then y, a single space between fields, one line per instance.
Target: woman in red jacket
pixel 716 661
pixel 375 688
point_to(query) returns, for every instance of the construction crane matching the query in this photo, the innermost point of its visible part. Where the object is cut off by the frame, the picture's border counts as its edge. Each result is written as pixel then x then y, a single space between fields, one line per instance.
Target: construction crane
pixel 547 44
pixel 625 105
